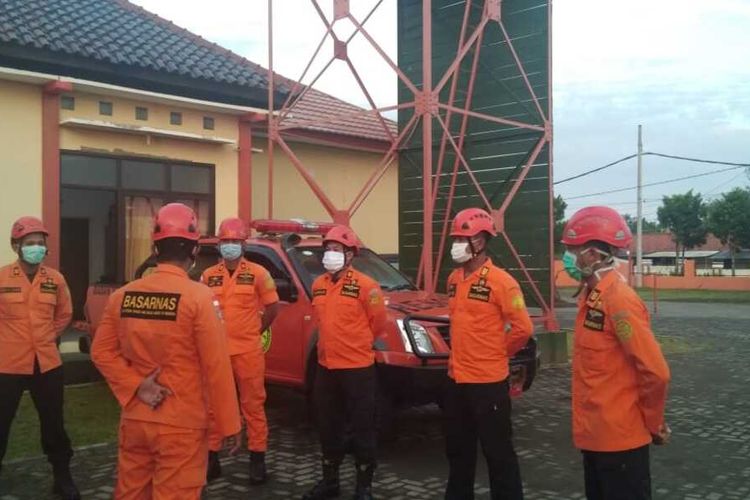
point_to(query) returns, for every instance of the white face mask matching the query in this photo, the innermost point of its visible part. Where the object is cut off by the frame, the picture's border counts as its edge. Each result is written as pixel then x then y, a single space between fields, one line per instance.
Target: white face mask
pixel 460 252
pixel 333 261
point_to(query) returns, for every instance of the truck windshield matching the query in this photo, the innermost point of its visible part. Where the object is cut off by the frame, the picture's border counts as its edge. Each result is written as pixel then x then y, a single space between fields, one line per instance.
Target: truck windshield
pixel 307 260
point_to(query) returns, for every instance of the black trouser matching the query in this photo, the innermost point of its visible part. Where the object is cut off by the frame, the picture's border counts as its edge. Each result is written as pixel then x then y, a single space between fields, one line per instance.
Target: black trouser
pixel 480 412
pixel 47 394
pixel 617 475
pixel 346 393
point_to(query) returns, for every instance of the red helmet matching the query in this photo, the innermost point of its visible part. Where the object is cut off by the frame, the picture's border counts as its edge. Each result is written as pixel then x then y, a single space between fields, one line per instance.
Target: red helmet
pixel 175 220
pixel 25 226
pixel 343 235
pixel 597 223
pixel 472 221
pixel 233 228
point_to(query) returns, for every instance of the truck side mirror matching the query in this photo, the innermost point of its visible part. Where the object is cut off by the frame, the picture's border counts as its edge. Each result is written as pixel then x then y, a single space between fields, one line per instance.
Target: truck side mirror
pixel 286 289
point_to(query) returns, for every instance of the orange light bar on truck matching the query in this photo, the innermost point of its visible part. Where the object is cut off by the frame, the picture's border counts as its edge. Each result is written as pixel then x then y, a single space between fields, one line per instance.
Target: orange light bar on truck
pixel 291 226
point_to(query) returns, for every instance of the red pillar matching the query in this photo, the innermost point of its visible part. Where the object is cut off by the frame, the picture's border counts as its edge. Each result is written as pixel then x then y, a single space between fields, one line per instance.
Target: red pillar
pixel 244 171
pixel 51 166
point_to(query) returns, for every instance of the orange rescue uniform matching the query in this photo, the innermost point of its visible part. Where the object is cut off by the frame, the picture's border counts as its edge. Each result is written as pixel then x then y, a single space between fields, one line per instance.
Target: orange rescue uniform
pixel 350 313
pixel 489 324
pixel 242 296
pixel 620 377
pixel 32 316
pixel 166 321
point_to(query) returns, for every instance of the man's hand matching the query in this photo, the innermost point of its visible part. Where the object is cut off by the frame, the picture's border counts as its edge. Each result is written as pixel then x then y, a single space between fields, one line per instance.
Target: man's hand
pixel 662 436
pixel 151 392
pixel 232 443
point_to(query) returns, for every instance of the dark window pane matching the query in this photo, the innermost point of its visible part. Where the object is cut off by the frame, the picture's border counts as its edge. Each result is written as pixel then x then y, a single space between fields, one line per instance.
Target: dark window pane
pixel 88 170
pixel 189 179
pixel 67 102
pixel 175 118
pixel 143 175
pixel 208 123
pixel 141 113
pixel 105 108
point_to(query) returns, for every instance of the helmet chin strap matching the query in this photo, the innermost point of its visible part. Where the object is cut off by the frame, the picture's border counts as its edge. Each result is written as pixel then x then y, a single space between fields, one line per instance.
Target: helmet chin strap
pixel 608 264
pixel 473 249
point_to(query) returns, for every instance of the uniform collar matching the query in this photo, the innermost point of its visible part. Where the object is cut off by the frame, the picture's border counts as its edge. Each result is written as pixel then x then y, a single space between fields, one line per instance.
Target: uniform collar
pixel 241 266
pixel 478 271
pixel 347 273
pixel 17 270
pixel 609 279
pixel 171 269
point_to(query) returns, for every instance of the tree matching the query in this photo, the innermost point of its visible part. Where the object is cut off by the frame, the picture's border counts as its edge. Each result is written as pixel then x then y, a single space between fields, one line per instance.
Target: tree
pixel 729 220
pixel 684 215
pixel 559 206
pixel 649 226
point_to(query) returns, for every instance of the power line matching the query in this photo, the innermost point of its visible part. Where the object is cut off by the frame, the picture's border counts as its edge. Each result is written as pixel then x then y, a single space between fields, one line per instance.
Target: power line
pixel 713 172
pixel 648 153
pixel 589 172
pixel 698 160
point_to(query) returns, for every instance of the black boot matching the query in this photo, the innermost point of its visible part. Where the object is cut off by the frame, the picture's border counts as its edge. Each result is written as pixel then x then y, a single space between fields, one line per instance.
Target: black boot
pixel 214 466
pixel 364 482
pixel 258 473
pixel 328 487
pixel 63 485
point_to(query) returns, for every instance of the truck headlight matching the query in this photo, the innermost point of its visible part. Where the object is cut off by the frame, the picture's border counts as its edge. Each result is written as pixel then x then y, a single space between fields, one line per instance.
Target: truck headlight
pixel 421 337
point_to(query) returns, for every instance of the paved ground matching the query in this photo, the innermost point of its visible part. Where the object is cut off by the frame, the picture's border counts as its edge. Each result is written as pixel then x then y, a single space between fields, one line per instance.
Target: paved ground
pixel 708 347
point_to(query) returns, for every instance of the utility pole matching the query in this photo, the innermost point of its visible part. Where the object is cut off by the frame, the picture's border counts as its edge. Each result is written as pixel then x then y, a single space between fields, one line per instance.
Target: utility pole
pixel 639 222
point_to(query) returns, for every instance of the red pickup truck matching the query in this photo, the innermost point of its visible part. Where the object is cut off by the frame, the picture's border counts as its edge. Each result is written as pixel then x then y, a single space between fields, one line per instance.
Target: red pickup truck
pixel 411 354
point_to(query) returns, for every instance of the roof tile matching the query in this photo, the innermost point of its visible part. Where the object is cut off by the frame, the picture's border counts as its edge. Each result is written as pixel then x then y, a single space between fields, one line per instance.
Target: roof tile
pixel 123 34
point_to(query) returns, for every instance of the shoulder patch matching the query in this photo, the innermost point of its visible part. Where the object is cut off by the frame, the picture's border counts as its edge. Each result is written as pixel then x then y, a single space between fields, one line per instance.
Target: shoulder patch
pixel 517 302
pixel 623 330
pixel 150 305
pixel 270 283
pixel 375 298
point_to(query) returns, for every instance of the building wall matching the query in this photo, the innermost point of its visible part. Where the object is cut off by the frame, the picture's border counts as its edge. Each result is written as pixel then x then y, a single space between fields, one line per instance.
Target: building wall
pixel 224 157
pixel 688 281
pixel 341 173
pixel 20 157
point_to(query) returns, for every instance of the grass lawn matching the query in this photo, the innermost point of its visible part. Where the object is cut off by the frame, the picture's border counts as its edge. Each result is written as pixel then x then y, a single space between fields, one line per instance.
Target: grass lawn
pixel 647 294
pixel 91 416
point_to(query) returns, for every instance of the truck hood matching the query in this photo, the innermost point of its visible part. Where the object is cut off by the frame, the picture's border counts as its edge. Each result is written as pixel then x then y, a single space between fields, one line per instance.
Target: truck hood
pixel 411 302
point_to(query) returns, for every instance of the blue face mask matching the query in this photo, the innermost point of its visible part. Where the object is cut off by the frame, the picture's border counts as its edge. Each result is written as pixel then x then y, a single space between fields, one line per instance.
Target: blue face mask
pixel 571 267
pixel 230 251
pixel 33 254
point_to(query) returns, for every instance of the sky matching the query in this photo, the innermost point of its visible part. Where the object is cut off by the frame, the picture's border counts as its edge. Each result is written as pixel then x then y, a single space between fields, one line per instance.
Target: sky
pixel 677 67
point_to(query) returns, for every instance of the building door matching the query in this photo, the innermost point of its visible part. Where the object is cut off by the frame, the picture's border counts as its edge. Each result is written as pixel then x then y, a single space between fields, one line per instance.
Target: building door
pixel 74 249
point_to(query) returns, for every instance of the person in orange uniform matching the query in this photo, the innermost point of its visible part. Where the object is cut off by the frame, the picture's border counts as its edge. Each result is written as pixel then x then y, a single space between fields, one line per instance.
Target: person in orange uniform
pixel 350 311
pixel 247 295
pixel 489 324
pixel 35 308
pixel 620 377
pixel 162 349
